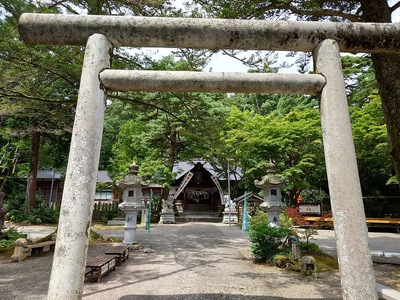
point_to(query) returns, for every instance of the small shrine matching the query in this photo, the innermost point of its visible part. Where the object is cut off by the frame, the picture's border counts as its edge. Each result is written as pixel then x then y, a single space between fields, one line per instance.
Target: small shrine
pixel 272 185
pixel 131 189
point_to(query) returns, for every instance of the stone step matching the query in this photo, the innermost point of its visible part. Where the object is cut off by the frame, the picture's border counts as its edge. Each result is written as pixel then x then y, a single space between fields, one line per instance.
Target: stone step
pixel 203 213
pixel 197 218
pixel 198 207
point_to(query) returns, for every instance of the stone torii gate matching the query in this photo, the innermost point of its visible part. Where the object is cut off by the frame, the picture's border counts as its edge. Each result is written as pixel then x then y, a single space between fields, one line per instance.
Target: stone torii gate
pixel 101 33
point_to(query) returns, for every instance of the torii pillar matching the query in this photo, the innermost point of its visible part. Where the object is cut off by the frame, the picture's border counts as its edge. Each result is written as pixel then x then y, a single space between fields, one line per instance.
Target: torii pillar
pixel 69 262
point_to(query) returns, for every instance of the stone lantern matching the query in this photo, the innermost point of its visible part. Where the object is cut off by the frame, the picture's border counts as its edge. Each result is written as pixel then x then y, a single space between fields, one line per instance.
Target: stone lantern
pixel 272 185
pixel 131 189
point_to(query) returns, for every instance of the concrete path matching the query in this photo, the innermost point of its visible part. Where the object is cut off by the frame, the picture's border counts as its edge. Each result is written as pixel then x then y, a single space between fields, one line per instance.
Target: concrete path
pixel 385 246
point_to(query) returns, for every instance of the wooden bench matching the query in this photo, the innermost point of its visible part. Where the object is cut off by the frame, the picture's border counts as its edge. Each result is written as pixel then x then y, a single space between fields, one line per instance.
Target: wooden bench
pixel 100 265
pixel 122 253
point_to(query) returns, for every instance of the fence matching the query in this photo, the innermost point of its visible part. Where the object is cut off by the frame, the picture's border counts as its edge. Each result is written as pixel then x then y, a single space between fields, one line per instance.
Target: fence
pixel 105 210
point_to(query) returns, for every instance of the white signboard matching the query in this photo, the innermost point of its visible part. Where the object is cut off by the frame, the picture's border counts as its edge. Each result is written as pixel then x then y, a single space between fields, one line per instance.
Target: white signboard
pixel 310 208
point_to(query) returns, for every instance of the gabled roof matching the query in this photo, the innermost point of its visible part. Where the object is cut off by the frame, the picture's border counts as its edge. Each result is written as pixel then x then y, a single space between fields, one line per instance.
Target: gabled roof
pixel 48 174
pixel 182 167
pixel 250 195
pixel 102 176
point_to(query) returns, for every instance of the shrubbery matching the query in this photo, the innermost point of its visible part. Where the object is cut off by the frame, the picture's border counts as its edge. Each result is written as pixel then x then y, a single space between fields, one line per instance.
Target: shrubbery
pixel 36 216
pixel 273 245
pixel 18 212
pixel 266 241
pixel 9 237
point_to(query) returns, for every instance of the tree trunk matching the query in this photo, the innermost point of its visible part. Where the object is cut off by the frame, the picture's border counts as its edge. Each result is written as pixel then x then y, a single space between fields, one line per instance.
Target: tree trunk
pixel 31 184
pixel 387 70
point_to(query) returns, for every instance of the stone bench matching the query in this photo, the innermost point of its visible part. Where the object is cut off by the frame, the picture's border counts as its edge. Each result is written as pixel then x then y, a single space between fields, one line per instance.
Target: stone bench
pixel 22 249
pixel 99 266
pixel 39 248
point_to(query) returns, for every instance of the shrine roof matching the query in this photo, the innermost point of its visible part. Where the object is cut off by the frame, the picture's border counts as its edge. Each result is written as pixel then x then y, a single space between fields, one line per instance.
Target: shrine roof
pixel 183 167
pixel 48 174
pixel 102 176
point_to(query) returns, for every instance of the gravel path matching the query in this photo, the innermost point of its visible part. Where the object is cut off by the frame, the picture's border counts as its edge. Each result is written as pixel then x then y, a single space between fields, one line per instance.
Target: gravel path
pixel 203 261
pixel 189 261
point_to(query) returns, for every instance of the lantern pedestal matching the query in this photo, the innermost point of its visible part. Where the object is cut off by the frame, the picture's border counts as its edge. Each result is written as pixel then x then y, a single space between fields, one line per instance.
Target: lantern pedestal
pixel 131 213
pixel 273 213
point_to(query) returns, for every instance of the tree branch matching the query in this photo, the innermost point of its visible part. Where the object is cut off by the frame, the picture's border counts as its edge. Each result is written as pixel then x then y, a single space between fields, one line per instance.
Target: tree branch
pixel 137 101
pixel 394 7
pixel 12 93
pixel 322 13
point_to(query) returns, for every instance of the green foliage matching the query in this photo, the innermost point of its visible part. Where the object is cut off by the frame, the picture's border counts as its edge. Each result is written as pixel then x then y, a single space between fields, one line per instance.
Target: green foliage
pixel 9 237
pixel 266 240
pixel 108 215
pixel 372 147
pixel 309 248
pixel 17 215
pixel 166 126
pixel 293 142
pixel 17 211
pixel 43 215
pixel 36 216
pixel 313 195
pixel 285 221
pixel 360 79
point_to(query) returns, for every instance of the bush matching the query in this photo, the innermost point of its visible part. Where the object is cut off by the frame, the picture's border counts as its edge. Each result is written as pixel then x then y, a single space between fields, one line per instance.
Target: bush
pixel 9 237
pixel 42 215
pixel 18 212
pixel 108 215
pixel 266 241
pixel 296 217
pixel 310 248
pixel 285 220
pixel 36 216
pixel 17 215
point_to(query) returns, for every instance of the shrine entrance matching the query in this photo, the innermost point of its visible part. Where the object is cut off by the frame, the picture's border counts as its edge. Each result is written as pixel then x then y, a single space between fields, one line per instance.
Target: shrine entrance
pixel 324 39
pixel 201 193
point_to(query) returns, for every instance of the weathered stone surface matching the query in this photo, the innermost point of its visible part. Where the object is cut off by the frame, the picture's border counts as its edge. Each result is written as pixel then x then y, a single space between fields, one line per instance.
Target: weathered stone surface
pixel 231 82
pixel 354 255
pixel 208 33
pixel 80 180
pixel 308 266
pixel 21 250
